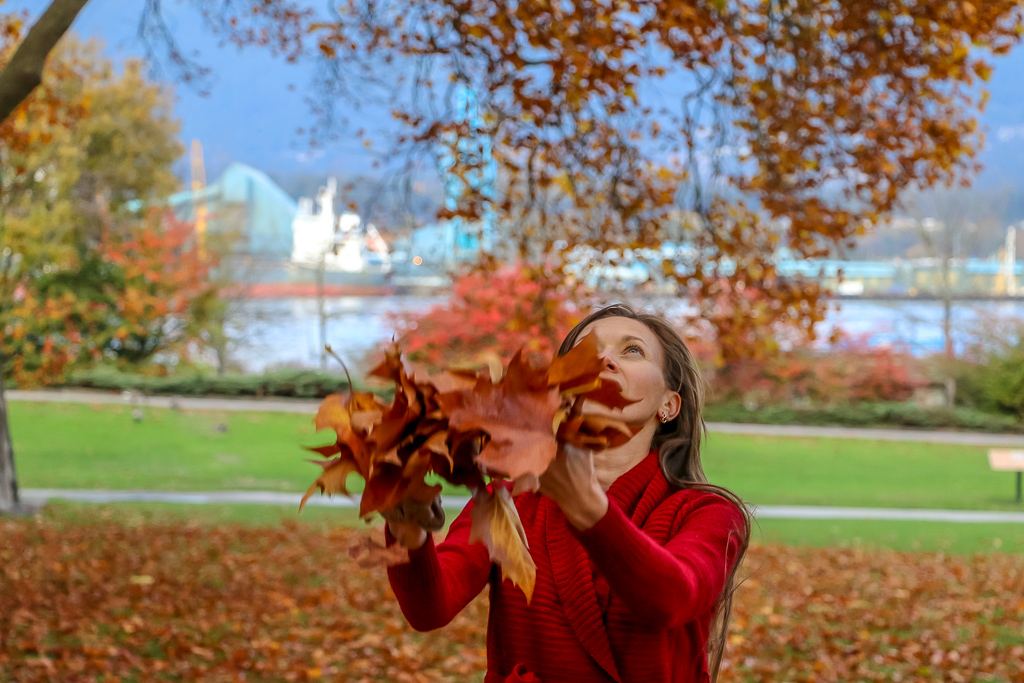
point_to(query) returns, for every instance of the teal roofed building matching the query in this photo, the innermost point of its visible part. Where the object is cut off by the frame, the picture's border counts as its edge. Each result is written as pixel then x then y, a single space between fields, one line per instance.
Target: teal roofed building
pixel 247 203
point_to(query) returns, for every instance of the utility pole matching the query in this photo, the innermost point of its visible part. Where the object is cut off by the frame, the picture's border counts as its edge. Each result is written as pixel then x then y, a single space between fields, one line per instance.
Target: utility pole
pixel 1010 261
pixel 321 310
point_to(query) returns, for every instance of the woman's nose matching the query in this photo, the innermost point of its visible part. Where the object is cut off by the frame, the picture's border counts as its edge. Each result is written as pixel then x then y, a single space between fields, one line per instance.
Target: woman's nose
pixel 609 362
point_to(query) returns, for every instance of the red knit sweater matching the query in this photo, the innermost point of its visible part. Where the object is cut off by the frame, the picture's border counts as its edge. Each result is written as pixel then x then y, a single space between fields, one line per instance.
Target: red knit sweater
pixel 627 600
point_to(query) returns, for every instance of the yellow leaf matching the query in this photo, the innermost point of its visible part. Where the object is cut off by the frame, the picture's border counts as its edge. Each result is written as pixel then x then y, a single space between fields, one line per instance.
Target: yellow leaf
pixel 496 524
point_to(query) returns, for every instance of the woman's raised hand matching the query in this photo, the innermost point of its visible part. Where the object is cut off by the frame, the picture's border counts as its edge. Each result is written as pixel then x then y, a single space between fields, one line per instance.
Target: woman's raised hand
pixel 409 521
pixel 571 481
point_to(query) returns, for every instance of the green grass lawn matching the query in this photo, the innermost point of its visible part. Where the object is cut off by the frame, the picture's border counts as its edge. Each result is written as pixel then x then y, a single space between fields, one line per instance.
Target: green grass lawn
pixel 956 539
pixel 66 445
pixel 855 472
pixel 83 446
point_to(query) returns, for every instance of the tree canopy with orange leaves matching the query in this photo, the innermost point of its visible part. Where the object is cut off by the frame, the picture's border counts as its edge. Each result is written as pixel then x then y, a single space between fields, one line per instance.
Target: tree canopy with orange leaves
pixel 739 130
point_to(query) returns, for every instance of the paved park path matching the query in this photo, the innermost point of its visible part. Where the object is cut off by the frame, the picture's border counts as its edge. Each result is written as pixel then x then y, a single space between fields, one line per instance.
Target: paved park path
pixel 309 406
pixel 304 406
pixel 39 496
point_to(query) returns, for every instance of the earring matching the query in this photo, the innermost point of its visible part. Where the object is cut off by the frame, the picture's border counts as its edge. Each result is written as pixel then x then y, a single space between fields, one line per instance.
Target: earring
pixel 664 417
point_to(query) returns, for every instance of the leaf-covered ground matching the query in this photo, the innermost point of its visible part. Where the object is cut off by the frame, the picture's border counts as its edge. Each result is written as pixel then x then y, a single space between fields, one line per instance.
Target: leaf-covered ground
pixel 107 601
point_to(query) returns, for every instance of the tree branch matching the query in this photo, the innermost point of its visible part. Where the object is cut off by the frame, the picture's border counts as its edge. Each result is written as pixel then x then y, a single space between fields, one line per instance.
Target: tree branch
pixel 25 70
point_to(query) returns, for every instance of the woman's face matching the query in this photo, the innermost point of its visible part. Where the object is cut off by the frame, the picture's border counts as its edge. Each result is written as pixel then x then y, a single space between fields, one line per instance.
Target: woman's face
pixel 634 359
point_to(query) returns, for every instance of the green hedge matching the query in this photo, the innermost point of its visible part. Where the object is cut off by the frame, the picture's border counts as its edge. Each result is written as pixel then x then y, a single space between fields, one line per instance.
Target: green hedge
pixel 290 383
pixel 867 415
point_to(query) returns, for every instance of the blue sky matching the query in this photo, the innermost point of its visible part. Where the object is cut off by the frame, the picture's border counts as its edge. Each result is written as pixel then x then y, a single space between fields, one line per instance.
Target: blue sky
pixel 250 115
pixel 256 102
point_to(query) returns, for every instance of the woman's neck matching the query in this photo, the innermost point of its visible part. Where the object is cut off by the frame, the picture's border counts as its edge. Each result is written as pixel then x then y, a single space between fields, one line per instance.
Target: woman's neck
pixel 612 463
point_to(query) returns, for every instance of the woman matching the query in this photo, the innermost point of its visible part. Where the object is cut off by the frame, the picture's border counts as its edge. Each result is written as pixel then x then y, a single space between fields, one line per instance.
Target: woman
pixel 636 552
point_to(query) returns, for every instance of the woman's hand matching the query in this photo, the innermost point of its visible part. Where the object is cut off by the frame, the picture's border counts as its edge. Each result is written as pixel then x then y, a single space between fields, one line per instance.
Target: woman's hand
pixel 571 481
pixel 409 521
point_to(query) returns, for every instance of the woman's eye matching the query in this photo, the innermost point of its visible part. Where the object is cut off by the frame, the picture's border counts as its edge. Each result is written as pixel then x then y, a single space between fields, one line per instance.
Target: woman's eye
pixel 634 347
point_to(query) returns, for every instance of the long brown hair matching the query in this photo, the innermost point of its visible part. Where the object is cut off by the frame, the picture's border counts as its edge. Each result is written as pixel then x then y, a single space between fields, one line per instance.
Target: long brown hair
pixel 678 442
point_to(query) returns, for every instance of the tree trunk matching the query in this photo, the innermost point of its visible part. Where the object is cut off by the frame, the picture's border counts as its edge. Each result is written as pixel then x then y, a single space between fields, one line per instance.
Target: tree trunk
pixel 25 70
pixel 8 477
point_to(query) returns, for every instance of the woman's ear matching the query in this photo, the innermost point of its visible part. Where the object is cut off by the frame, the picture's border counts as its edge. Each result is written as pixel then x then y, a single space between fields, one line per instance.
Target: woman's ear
pixel 671 405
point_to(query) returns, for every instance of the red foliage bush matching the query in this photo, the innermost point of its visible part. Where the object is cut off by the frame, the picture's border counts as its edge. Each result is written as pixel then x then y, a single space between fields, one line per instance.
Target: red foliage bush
pixel 500 311
pixel 846 372
pixel 137 294
pixel 493 312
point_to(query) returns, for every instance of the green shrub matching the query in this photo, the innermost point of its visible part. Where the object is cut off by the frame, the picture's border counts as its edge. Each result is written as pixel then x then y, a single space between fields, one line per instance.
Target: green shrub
pixel 288 383
pixel 992 376
pixel 865 415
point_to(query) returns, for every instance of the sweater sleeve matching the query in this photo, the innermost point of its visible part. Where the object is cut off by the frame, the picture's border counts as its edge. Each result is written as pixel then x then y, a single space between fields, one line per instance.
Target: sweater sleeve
pixel 439 581
pixel 667 586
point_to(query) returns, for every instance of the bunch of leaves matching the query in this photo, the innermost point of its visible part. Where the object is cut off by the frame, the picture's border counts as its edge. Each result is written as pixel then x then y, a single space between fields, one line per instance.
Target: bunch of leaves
pixel 493 312
pixel 464 425
pixel 151 599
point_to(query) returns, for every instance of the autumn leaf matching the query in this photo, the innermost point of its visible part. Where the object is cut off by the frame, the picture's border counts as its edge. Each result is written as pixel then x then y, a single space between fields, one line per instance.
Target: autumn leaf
pixel 350 418
pixel 369 553
pixel 332 479
pixel 581 365
pixel 517 419
pixel 384 489
pixel 595 432
pixel 496 524
pixel 607 392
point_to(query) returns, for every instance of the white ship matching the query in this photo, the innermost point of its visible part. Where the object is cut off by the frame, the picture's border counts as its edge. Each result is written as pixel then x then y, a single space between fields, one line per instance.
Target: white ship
pixel 336 242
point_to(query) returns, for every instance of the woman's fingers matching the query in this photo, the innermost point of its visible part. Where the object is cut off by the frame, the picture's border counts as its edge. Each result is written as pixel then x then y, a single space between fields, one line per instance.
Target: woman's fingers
pixel 428 516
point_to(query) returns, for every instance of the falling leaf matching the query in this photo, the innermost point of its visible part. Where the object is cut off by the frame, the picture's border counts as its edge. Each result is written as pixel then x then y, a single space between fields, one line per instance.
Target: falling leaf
pixel 369 553
pixel 594 432
pixel 332 479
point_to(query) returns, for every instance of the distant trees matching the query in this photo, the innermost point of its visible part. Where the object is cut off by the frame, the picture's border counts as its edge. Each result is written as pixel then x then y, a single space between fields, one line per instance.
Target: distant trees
pixel 90 268
pixel 94 269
